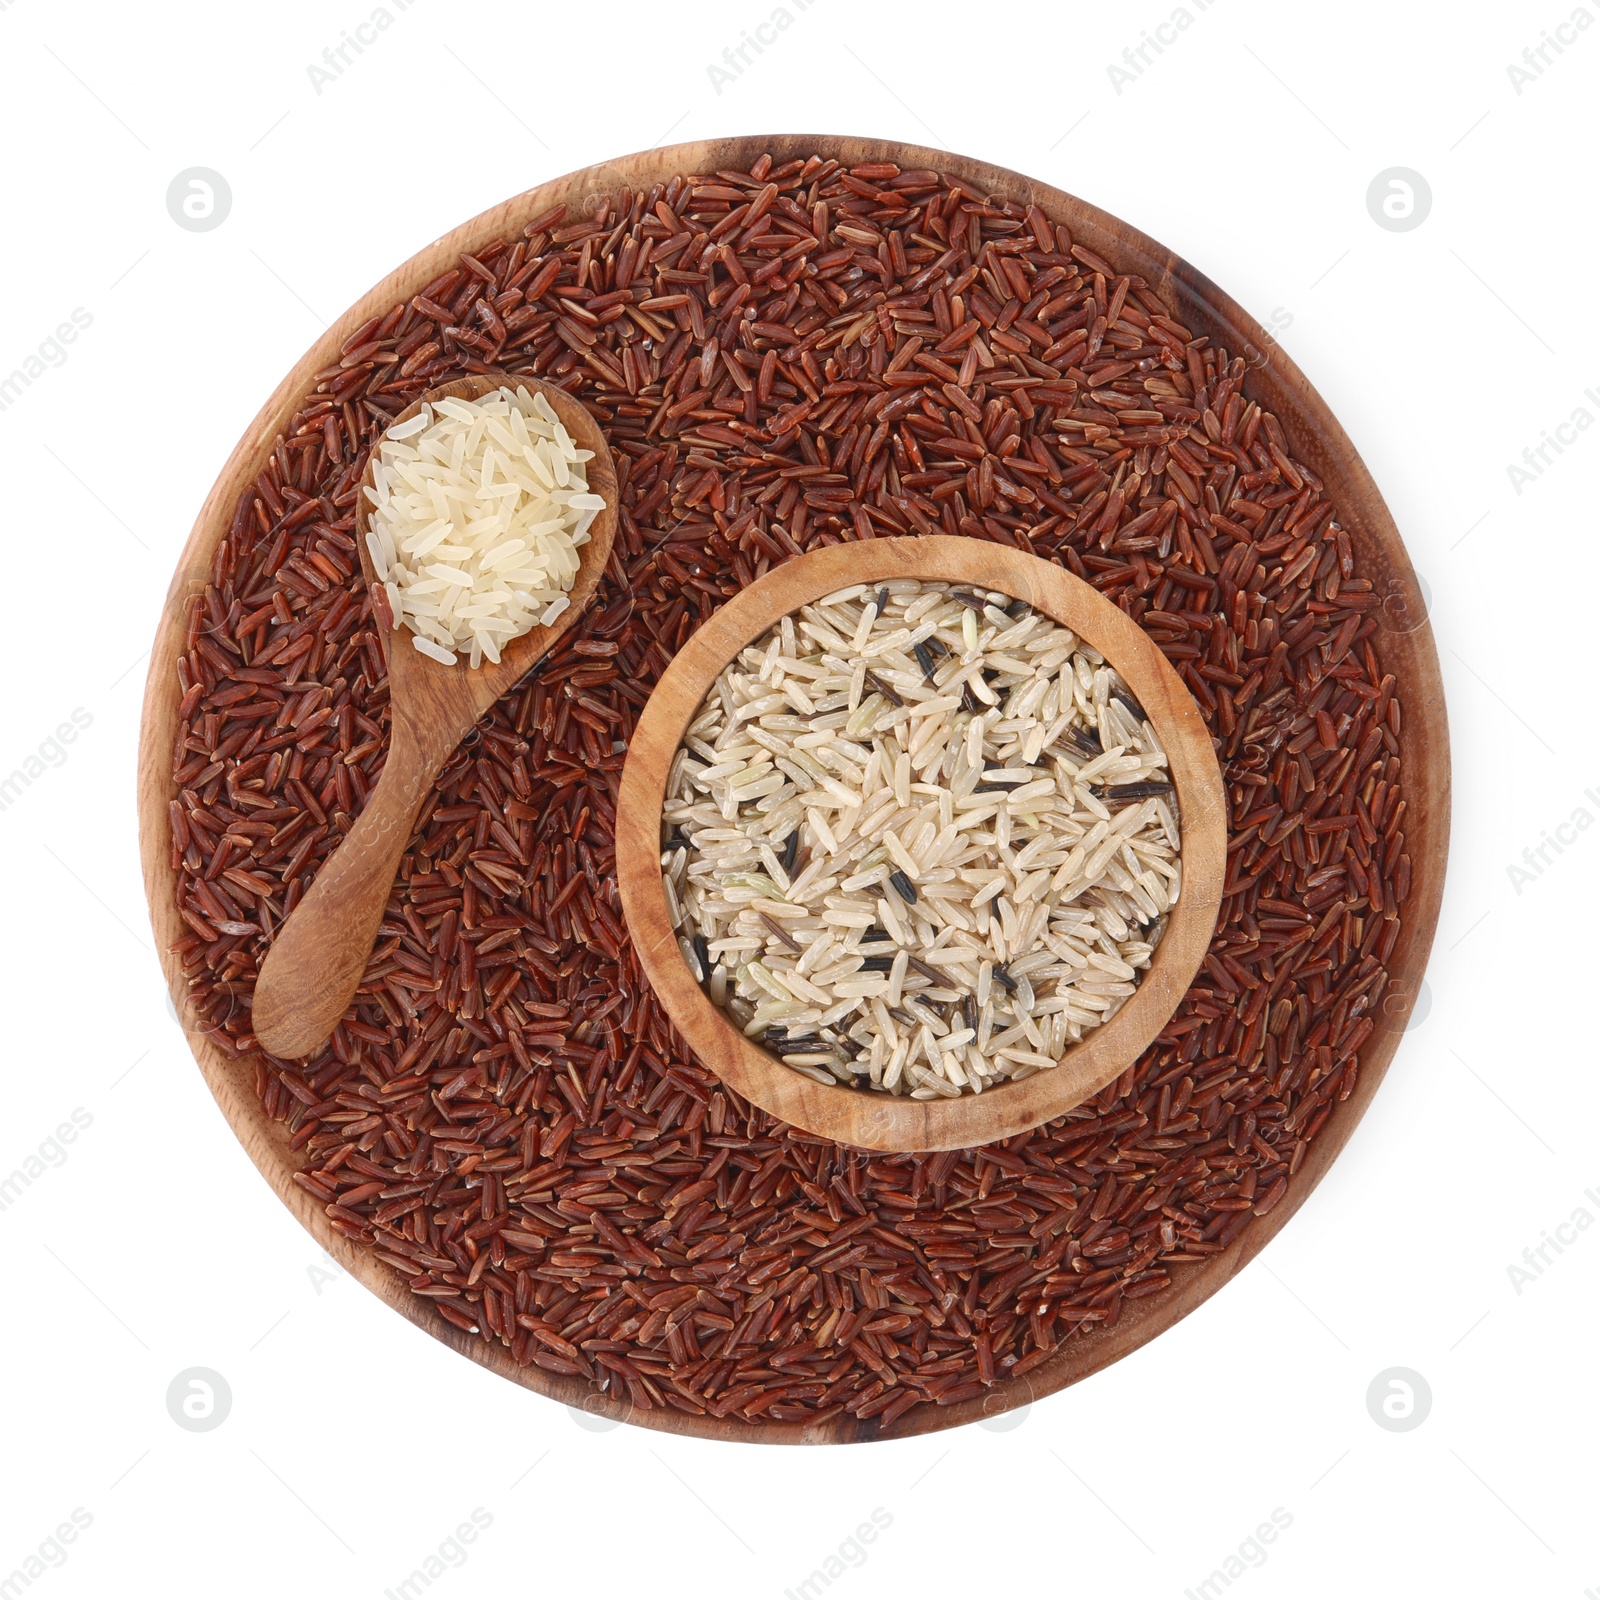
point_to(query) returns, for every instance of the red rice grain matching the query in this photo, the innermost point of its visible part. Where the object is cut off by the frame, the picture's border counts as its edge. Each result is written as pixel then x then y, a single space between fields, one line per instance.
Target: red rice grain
pixel 783 358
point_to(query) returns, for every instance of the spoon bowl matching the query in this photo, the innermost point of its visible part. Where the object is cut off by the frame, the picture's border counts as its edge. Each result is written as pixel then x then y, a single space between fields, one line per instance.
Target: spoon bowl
pixel 320 953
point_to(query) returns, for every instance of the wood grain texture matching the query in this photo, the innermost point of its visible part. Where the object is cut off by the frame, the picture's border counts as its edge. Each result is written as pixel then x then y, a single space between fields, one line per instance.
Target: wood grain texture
pixel 868 1118
pixel 316 961
pixel 1275 381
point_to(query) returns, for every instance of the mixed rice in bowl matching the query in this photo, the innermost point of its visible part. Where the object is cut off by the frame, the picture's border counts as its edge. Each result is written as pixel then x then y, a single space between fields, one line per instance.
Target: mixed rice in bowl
pixel 920 840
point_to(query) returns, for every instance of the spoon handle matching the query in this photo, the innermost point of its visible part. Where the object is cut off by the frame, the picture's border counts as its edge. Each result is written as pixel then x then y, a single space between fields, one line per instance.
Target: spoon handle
pixel 319 955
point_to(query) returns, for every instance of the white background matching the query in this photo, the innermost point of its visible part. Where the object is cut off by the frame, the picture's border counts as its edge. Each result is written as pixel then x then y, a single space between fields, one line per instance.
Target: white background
pixel 355 1444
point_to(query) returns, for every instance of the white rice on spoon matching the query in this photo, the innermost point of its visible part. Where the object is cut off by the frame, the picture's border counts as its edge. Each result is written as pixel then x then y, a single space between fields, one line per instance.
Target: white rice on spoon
pixel 478 511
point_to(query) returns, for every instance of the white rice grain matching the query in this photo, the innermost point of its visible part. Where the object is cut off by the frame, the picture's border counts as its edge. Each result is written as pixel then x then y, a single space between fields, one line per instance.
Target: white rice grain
pixel 479 508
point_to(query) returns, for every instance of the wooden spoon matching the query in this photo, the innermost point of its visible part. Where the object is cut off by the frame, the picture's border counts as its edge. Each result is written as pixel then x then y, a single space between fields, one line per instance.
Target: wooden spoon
pixel 320 953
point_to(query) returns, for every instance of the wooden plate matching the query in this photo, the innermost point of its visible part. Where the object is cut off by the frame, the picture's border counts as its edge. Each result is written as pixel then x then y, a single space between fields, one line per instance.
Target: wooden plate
pixel 897 1122
pixel 1318 440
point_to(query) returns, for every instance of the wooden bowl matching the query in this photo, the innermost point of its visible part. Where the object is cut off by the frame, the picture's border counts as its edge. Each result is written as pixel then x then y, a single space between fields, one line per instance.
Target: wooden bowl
pixel 1275 382
pixel 871 1118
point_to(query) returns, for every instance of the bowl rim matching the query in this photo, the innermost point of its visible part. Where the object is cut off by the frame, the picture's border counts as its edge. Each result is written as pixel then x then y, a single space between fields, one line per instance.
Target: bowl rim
pixel 1319 440
pixel 880 1121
